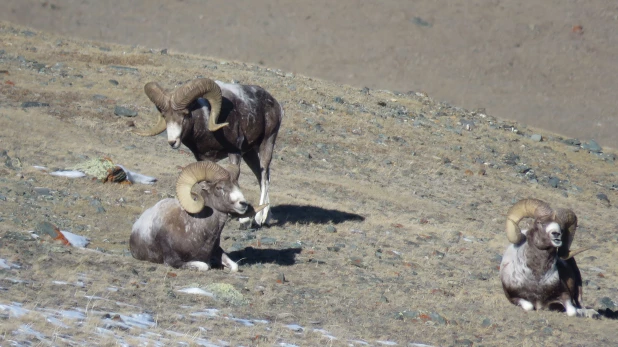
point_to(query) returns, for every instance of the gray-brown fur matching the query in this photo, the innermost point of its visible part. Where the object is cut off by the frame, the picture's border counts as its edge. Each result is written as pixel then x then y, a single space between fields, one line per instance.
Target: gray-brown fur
pixel 166 233
pixel 254 118
pixel 532 272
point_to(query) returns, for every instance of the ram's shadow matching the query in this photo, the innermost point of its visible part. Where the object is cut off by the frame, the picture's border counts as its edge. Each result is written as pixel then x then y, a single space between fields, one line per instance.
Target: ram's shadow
pixel 306 214
pixel 250 255
pixel 608 313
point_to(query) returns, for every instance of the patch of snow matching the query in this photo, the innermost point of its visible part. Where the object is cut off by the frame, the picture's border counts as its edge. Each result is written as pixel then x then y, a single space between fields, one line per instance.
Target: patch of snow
pixel 295 327
pixel 387 343
pixel 14 309
pixel 209 312
pixel 195 290
pixel 69 174
pixel 57 322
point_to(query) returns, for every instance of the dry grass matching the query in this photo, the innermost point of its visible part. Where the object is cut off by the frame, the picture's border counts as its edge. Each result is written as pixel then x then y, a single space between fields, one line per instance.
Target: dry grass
pixel 395 174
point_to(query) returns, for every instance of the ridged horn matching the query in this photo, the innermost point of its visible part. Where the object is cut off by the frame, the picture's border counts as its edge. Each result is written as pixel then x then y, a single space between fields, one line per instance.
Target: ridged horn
pixel 157 95
pixel 522 209
pixel 160 98
pixel 201 87
pixel 156 130
pixel 192 174
pixel 567 220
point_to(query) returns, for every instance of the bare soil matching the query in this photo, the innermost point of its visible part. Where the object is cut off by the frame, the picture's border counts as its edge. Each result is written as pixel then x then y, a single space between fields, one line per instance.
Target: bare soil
pixel 389 213
pixel 550 64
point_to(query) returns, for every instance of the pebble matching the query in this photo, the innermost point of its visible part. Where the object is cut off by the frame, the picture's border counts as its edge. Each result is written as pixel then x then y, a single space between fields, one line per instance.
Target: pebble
pixel 554 182
pixel 27 104
pixel 114 82
pixel 99 97
pixel 268 241
pixel 331 229
pixel 123 111
pixel 607 302
pixel 604 199
pixel 338 100
pixel 42 191
pixel 123 68
pixel 536 138
pixel 572 142
pixel 592 146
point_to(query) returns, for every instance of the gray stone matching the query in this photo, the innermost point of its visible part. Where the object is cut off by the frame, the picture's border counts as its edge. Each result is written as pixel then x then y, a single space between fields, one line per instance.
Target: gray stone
pixel 268 241
pixel 554 182
pixel 42 191
pixel 536 138
pixel 338 100
pixel 331 229
pixel 123 111
pixel 123 68
pixel 607 302
pixel 592 146
pixel 99 97
pixel 572 142
pixel 27 104
pixel 486 323
pixel 114 82
pixel 604 199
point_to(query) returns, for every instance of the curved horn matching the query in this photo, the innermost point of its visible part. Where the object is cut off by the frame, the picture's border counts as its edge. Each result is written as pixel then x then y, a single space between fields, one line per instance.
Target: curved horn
pixel 234 171
pixel 201 87
pixel 157 95
pixel 192 174
pixel 522 209
pixel 567 220
pixel 156 130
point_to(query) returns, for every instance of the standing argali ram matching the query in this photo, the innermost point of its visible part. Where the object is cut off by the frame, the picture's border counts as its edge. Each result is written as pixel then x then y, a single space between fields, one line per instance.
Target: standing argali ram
pixel 250 118
pixel 538 270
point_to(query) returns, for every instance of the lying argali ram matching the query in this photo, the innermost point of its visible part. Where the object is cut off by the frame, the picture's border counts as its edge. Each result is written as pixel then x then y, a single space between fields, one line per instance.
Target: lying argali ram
pixel 250 118
pixel 538 270
pixel 184 232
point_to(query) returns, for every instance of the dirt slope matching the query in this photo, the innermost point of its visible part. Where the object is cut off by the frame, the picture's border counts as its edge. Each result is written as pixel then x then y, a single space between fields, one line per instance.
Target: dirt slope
pixel 389 212
pixel 550 64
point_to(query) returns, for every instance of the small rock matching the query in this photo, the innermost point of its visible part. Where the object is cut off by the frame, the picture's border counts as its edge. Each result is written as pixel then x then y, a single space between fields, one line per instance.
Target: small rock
pixel 123 68
pixel 164 51
pixel 281 278
pixel 338 100
pixel 123 111
pixel 486 323
pixel 536 137
pixel 554 182
pixel 42 191
pixel 604 199
pixel 572 142
pixel 331 229
pixel 99 97
pixel 268 241
pixel 592 146
pixel 114 82
pixel 27 104
pixel 606 302
pixel 333 248
pixel 464 342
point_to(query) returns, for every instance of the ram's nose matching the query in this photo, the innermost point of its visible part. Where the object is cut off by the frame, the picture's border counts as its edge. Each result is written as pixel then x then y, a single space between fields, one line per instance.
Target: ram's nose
pixel 174 143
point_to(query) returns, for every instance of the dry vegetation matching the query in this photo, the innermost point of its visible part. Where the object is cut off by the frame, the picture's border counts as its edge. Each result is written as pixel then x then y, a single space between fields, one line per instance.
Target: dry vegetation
pixel 389 212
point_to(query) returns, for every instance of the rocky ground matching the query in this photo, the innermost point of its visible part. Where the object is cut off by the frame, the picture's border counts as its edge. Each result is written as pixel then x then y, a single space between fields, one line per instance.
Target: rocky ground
pixel 389 212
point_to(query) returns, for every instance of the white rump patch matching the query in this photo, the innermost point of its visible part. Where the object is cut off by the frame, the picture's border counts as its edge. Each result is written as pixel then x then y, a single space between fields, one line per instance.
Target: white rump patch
pixel 526 305
pixel 199 265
